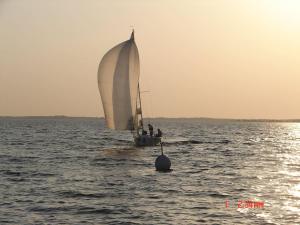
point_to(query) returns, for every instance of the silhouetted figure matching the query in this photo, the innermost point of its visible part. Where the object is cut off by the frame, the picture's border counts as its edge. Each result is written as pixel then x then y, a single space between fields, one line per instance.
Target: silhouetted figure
pixel 150 129
pixel 159 133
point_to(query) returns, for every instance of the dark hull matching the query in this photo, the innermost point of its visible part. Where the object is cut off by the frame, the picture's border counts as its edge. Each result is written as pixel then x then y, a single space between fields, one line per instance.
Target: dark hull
pixel 146 140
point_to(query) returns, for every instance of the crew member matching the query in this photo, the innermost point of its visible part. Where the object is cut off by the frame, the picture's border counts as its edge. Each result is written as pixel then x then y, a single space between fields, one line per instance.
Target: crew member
pixel 159 133
pixel 150 129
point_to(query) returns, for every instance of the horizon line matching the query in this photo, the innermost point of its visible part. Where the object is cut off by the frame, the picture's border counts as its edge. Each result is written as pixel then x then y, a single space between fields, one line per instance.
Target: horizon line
pixel 162 117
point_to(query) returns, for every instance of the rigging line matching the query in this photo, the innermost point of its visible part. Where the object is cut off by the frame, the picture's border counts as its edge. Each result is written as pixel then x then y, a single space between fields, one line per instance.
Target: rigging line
pixel 150 102
pixel 150 112
pixel 147 104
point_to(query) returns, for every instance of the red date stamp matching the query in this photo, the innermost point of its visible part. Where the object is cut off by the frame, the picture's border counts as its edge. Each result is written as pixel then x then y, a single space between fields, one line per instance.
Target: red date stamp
pixel 249 204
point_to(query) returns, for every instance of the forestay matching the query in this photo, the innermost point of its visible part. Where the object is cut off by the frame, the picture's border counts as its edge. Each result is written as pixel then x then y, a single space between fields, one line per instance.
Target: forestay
pixel 118 78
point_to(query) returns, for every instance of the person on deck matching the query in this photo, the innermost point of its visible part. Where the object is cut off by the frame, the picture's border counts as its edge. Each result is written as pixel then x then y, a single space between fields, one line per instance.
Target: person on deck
pixel 150 129
pixel 159 133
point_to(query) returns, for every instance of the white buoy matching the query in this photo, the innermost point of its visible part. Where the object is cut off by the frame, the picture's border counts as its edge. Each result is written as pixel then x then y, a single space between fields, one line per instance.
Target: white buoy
pixel 162 162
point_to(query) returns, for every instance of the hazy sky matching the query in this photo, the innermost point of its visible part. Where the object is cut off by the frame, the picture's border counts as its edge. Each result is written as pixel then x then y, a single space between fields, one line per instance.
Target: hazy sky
pixel 199 58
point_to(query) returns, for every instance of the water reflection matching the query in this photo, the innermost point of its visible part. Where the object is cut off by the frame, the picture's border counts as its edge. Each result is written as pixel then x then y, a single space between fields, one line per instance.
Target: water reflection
pixel 283 188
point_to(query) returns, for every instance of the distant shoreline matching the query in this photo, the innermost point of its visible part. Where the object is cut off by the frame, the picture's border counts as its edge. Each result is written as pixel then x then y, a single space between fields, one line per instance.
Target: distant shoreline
pixel 158 118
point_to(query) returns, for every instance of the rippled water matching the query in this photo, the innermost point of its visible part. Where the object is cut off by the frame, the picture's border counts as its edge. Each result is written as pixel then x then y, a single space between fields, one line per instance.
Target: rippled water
pixel 75 171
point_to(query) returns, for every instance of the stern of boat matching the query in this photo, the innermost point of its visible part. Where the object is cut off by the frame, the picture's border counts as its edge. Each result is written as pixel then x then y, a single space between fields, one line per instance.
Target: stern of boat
pixel 146 140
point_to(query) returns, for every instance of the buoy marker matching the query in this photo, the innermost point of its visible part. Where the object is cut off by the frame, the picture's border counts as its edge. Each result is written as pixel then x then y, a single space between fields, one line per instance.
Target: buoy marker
pixel 162 162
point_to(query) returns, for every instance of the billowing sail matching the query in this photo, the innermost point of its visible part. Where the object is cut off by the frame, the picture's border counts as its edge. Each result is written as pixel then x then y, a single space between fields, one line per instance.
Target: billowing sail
pixel 118 78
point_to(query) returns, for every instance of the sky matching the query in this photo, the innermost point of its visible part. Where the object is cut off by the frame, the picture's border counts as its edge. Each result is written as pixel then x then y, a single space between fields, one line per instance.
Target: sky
pixel 199 58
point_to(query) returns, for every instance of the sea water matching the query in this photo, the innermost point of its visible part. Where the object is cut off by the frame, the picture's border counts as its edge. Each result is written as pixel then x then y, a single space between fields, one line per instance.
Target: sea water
pixel 76 171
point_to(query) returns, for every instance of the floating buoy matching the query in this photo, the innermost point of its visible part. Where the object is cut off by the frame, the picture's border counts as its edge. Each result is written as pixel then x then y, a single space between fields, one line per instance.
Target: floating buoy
pixel 162 162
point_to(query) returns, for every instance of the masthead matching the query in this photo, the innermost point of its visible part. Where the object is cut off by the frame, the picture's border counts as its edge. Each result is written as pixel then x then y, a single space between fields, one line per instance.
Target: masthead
pixel 132 35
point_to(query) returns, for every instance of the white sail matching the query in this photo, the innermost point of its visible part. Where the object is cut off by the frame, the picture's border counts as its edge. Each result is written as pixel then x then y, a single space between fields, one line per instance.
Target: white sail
pixel 118 77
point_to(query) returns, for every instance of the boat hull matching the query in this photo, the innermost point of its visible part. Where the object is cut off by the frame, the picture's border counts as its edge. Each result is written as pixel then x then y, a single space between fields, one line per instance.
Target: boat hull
pixel 146 140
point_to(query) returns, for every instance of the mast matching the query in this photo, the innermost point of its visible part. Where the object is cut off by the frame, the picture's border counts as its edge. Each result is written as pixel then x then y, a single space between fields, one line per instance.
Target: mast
pixel 140 109
pixel 141 112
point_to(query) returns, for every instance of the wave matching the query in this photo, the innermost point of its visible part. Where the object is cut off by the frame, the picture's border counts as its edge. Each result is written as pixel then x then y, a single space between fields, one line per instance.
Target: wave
pixel 88 210
pixel 218 195
pixel 77 194
pixel 184 142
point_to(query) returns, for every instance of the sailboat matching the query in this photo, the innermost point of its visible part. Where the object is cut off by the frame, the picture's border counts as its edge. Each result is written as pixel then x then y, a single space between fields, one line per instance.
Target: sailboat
pixel 118 82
